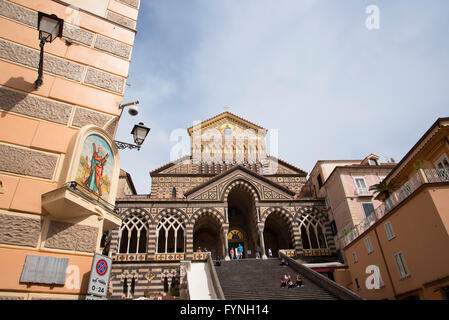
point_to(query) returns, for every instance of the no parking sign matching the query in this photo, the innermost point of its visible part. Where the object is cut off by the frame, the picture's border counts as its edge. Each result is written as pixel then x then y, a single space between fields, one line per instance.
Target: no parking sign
pixel 99 275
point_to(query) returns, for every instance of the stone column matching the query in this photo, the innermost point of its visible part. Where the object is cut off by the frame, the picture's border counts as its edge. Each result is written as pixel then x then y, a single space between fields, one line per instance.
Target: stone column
pixel 225 243
pixel 262 244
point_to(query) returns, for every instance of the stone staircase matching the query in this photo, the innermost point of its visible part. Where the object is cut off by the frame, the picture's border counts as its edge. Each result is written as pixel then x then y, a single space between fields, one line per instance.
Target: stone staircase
pixel 256 279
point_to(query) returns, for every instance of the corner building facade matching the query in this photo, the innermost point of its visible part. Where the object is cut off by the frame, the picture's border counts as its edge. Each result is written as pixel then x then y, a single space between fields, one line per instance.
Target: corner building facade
pixel 51 219
pixel 227 193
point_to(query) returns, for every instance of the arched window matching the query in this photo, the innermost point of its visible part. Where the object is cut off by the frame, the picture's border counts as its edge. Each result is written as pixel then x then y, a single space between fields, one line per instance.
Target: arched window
pixel 170 235
pixel 133 235
pixel 312 233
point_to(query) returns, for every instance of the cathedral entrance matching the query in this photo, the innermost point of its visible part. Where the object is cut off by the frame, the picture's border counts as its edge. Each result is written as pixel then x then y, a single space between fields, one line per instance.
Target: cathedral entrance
pixel 236 242
pixel 242 218
pixel 276 234
pixel 207 236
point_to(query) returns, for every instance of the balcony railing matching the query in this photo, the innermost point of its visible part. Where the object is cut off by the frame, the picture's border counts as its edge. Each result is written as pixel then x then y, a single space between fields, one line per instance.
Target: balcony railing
pixel 363 192
pixel 420 178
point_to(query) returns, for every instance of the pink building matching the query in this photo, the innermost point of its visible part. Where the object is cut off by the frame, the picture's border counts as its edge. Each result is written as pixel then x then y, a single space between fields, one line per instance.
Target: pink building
pixel 345 186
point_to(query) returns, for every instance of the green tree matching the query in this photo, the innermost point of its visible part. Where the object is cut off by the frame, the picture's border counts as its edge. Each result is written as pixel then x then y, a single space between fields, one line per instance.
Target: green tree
pixel 384 189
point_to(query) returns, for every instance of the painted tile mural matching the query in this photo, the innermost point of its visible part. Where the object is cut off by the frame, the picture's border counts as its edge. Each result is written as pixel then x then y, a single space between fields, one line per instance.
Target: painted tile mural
pixel 96 166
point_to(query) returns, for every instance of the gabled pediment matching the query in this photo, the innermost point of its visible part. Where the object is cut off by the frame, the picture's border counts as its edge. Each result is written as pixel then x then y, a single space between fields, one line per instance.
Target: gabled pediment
pixel 215 189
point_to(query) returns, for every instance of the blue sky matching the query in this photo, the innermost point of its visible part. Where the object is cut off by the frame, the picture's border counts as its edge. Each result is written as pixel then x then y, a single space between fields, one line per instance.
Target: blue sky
pixel 310 69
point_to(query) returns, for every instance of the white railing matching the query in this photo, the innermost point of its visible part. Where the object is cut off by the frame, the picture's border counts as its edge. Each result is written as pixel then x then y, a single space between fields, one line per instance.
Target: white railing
pixel 431 176
pixel 363 192
pixel 437 175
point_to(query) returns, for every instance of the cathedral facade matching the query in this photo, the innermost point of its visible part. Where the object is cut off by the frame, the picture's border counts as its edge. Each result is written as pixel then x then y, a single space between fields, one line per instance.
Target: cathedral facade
pixel 227 193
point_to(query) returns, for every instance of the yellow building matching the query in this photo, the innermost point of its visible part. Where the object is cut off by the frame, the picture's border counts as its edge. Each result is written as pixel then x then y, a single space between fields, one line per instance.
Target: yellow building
pixel 59 166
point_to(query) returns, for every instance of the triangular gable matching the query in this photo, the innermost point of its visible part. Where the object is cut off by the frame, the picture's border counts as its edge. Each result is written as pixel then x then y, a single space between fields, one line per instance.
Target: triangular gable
pixel 227 118
pixel 213 189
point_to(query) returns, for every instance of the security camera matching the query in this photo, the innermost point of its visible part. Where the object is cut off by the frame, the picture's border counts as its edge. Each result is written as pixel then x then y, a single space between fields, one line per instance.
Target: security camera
pixel 133 110
pixel 132 107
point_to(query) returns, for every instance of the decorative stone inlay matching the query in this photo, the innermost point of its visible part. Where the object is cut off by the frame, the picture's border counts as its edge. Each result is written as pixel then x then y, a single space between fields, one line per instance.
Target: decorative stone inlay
pixel 18 13
pixel 69 236
pixel 30 57
pixel 27 162
pixel 77 34
pixel 121 20
pixel 84 116
pixel 113 46
pixel 132 3
pixel 34 106
pixel 20 231
pixel 104 80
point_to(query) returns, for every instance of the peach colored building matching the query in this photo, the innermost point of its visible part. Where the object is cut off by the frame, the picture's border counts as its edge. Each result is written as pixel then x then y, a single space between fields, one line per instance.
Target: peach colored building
pixel 59 166
pixel 407 239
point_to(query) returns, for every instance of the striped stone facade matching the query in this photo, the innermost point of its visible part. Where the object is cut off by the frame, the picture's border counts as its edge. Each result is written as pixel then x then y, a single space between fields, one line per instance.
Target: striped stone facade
pixel 216 204
pixel 151 211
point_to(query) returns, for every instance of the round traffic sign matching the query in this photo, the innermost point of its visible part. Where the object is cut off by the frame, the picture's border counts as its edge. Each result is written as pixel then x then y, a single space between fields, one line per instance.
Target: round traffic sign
pixel 102 267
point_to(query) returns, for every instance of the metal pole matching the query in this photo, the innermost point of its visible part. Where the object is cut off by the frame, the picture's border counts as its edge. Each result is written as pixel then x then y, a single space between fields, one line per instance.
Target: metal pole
pixel 39 80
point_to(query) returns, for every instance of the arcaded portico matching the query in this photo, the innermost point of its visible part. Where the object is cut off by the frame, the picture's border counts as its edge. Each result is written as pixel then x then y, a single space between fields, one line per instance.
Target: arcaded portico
pixel 216 205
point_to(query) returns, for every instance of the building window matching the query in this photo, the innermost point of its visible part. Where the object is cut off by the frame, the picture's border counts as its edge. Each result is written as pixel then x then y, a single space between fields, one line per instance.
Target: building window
pixel 361 187
pixel 227 131
pixel 133 235
pixel 173 192
pixel 170 232
pixel 389 229
pixel 369 245
pixel 357 283
pixel 373 162
pixel 442 166
pixel 368 207
pixel 402 266
pixel 334 228
pixel 313 233
pixel 354 257
pixel 320 180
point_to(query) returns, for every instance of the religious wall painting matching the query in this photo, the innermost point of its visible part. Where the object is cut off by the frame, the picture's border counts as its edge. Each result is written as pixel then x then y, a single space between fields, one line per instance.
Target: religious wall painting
pixel 96 166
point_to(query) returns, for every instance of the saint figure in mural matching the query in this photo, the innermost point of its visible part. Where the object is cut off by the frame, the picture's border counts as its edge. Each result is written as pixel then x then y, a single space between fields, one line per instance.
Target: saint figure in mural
pixel 93 182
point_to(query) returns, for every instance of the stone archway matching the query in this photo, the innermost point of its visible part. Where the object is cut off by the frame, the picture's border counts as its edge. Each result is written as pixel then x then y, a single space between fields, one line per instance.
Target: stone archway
pixel 277 233
pixel 242 215
pixel 207 234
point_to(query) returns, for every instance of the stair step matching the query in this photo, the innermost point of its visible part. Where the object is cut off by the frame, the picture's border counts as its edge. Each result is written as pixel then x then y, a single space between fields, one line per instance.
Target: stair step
pixel 255 279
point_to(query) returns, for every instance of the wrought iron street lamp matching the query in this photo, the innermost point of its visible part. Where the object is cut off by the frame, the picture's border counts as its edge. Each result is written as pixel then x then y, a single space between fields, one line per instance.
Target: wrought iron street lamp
pixel 50 27
pixel 139 132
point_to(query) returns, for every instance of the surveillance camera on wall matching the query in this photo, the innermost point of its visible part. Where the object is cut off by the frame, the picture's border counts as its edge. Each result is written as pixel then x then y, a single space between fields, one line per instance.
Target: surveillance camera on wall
pixel 133 110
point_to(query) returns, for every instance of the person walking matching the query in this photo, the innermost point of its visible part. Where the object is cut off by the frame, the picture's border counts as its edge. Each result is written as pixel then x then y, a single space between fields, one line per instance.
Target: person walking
pixel 240 249
pixel 232 253
pixel 270 254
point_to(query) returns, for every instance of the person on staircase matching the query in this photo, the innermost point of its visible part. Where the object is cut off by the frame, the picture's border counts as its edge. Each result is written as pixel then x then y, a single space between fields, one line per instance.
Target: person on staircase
pixel 284 262
pixel 283 283
pixel 299 281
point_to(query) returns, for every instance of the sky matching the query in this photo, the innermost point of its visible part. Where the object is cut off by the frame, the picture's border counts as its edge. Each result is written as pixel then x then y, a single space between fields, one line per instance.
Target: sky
pixel 316 71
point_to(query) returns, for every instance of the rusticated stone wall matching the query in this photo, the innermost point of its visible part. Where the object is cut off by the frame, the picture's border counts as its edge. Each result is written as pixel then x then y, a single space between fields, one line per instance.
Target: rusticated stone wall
pixel 34 106
pixel 69 236
pixel 27 162
pixel 112 46
pixel 29 17
pixel 126 22
pixel 19 230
